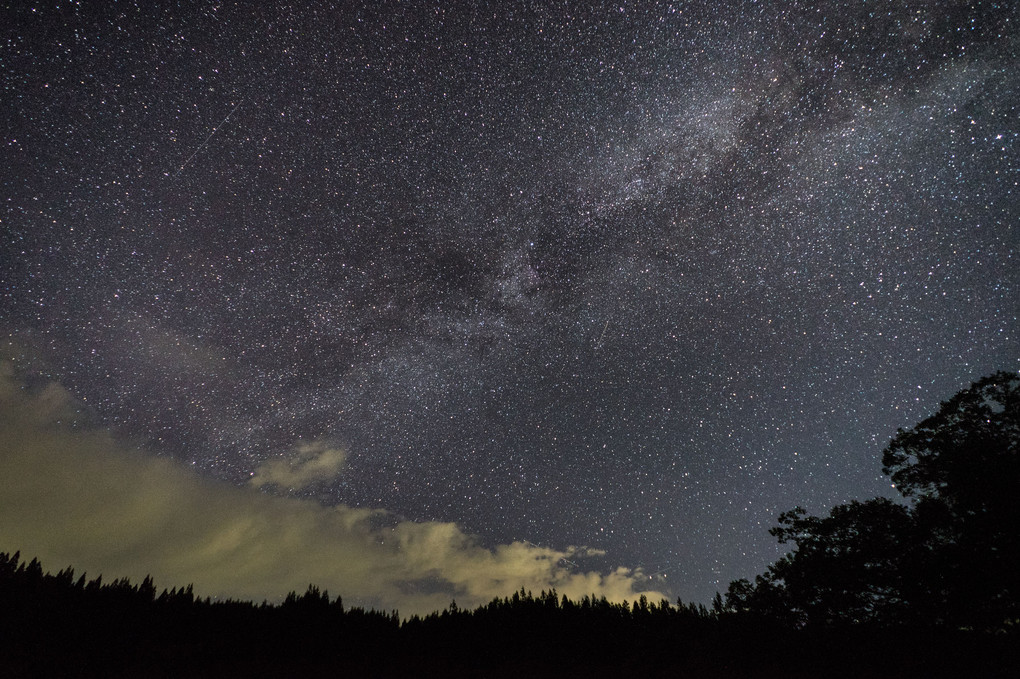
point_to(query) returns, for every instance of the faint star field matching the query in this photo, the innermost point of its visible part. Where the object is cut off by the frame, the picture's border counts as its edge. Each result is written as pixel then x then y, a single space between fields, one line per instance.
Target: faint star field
pixel 635 276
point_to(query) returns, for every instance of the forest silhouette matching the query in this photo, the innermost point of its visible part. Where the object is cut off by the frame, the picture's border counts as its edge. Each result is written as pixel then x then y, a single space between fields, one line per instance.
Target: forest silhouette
pixel 922 587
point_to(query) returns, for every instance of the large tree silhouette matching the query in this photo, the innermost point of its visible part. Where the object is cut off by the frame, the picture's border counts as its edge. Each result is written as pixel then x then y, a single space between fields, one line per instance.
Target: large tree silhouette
pixel 946 557
pixel 960 470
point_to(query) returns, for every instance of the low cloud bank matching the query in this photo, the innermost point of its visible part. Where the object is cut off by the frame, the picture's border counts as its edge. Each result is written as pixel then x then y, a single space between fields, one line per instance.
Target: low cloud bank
pixel 72 495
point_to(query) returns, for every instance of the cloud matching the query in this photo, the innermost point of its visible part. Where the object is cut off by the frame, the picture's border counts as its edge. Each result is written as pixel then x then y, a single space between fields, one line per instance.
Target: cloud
pixel 309 463
pixel 73 495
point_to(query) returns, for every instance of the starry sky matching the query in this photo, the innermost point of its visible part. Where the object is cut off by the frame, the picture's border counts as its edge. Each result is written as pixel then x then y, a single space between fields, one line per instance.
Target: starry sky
pixel 609 284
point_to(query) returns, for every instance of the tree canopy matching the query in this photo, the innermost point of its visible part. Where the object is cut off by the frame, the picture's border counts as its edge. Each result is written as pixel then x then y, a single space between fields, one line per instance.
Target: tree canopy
pixel 945 556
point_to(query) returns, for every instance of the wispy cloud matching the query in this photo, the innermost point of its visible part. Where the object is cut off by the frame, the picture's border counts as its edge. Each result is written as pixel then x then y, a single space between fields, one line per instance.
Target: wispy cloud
pixel 308 463
pixel 71 494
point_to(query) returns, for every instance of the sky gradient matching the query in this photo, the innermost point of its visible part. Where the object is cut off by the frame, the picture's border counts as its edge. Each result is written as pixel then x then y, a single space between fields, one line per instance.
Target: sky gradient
pixel 570 287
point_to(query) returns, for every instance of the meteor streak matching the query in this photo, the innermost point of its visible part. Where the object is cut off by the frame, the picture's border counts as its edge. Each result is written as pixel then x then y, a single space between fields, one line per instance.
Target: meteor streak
pixel 206 142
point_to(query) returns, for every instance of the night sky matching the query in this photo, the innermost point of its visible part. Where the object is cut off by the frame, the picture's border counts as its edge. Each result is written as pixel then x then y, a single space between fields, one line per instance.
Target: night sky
pixel 599 286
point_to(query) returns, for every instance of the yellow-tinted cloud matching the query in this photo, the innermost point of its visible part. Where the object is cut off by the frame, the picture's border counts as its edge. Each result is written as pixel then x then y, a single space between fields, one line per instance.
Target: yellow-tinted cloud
pixel 73 495
pixel 309 463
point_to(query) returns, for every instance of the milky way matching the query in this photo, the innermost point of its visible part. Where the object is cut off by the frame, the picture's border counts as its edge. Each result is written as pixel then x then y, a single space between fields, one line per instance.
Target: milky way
pixel 636 277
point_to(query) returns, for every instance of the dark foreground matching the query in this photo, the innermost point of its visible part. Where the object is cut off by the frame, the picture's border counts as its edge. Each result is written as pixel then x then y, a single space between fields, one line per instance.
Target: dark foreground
pixel 57 626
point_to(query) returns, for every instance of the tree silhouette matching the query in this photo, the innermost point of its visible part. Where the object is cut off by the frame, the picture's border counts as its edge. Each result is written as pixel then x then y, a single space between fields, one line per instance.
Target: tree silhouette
pixel 848 565
pixel 960 470
pixel 51 626
pixel 947 557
